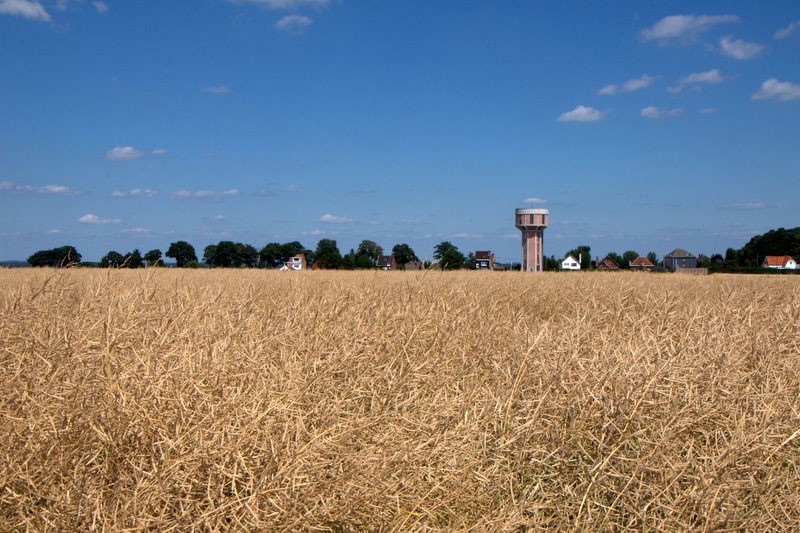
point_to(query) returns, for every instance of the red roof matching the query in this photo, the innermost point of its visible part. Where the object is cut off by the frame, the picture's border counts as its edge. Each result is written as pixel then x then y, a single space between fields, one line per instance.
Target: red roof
pixel 481 254
pixel 776 260
pixel 607 264
pixel 642 262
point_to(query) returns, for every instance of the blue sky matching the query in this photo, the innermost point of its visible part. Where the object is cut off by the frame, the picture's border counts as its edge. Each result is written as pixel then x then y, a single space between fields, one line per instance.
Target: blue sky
pixel 640 125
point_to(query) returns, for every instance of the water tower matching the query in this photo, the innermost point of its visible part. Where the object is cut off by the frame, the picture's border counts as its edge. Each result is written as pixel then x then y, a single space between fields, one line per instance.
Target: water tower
pixel 532 222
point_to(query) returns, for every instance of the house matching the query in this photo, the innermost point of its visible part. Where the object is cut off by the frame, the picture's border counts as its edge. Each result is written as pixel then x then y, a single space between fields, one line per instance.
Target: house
pixel 780 262
pixel 641 263
pixel 387 262
pixel 570 263
pixel 606 264
pixel 298 262
pixel 484 260
pixel 679 258
pixel 413 265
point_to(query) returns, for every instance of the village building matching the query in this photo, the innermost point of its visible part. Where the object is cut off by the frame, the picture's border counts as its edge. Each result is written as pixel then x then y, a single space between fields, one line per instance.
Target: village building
pixel 297 262
pixel 780 262
pixel 570 263
pixel 387 262
pixel 641 263
pixel 606 264
pixel 484 260
pixel 679 259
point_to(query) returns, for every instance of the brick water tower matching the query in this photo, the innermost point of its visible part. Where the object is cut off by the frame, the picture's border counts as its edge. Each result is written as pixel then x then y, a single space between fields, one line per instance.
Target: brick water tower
pixel 532 223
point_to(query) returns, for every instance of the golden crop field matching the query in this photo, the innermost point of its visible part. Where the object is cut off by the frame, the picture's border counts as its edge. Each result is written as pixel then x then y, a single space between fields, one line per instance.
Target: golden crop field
pixel 239 399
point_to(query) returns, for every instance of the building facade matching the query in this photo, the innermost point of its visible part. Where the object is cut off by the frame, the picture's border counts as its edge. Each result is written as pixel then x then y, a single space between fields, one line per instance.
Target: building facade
pixel 532 222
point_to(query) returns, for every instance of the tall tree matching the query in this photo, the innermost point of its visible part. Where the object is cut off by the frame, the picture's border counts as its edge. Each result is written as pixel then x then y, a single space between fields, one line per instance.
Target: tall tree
pixel 371 250
pixel 153 257
pixel 271 255
pixel 112 259
pixel 449 256
pixel 246 255
pixel 134 259
pixel 182 252
pixel 403 254
pixel 63 256
pixel 652 257
pixel 327 254
pixel 628 257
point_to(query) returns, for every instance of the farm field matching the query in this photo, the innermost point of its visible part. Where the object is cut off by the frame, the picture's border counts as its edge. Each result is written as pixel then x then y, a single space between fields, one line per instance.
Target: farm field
pixel 245 399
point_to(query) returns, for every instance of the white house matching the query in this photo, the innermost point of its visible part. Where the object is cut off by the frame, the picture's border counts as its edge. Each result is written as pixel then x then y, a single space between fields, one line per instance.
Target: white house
pixel 570 263
pixel 780 262
pixel 297 262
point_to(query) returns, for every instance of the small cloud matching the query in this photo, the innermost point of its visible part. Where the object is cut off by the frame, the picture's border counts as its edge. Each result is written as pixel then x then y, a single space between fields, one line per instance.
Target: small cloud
pixel 216 219
pixel 582 114
pixel 101 7
pixel 682 28
pixel 273 192
pixel 464 235
pixel 739 49
pixel 333 219
pixel 654 112
pixel 772 89
pixel 783 33
pixel 54 232
pixel 214 196
pixel 123 153
pixel 712 76
pixel 294 24
pixel 94 219
pixel 315 232
pixel 218 89
pixel 745 206
pixel 11 187
pixel 158 151
pixel 26 9
pixel 283 4
pixel 534 201
pixel 291 188
pixel 135 193
pixel 707 110
pixel 135 230
pixel 628 86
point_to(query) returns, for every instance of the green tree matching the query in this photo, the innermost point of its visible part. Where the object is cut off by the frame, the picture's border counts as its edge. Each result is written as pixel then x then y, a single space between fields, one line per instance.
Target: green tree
pixel 774 242
pixel 349 260
pixel 652 257
pixel 327 254
pixel 271 255
pixel 627 257
pixel 112 259
pixel 371 250
pixel 450 258
pixel 182 252
pixel 63 256
pixel 403 254
pixel 582 253
pixel 153 258
pixel 246 255
pixel 134 259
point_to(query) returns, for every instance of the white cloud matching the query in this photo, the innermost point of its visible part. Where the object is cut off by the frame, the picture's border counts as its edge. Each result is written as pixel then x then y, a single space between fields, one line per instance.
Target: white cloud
pixel 10 186
pixel 534 201
pixel 123 153
pixel 628 86
pixel 712 76
pixel 582 114
pixel 101 7
pixel 328 218
pixel 214 196
pixel 135 230
pixel 94 219
pixel 707 110
pixel 465 235
pixel 283 4
pixel 654 112
pixel 783 33
pixel 27 9
pixel 745 206
pixel 158 151
pixel 739 49
pixel 217 89
pixel 294 24
pixel 134 193
pixel 772 89
pixel 683 27
pixel 54 232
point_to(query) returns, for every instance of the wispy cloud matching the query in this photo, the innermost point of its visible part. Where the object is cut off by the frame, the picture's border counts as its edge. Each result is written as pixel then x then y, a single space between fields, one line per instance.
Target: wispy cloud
pixel 748 206
pixel 135 230
pixel 534 201
pixel 783 33
pixel 94 219
pixel 294 24
pixel 707 110
pixel 123 153
pixel 26 9
pixel 582 114
pixel 333 219
pixel 654 112
pixel 683 28
pixel 135 193
pixel 158 151
pixel 628 86
pixel 101 7
pixel 217 89
pixel 54 232
pixel 739 49
pixel 11 187
pixel 267 192
pixel 283 4
pixel 214 196
pixel 772 89
pixel 712 76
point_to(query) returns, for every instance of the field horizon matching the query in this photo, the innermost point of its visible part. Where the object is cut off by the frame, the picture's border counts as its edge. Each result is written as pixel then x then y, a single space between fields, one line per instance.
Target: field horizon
pixel 249 399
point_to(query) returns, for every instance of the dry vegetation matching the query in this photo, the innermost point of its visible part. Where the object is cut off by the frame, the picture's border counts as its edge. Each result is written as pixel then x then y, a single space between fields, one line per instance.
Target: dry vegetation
pixel 166 399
